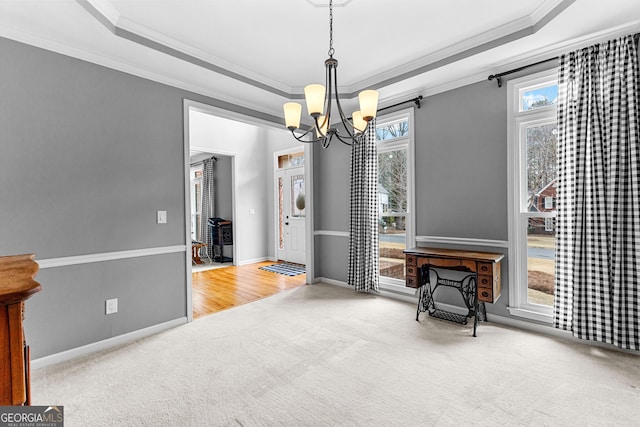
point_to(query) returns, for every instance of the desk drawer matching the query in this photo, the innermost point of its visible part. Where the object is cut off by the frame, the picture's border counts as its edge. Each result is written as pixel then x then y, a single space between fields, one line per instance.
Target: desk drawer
pixel 412 270
pixel 411 282
pixel 485 294
pixel 411 260
pixel 485 281
pixel 485 268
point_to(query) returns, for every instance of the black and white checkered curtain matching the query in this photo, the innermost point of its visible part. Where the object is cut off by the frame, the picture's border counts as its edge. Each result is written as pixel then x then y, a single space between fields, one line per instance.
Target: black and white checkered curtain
pixel 364 263
pixel 206 211
pixel 598 236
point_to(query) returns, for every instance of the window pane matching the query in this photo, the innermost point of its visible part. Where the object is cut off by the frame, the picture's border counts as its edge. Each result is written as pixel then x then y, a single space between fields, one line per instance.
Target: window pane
pixel 392 130
pixel 538 97
pixel 291 160
pixel 392 210
pixel 297 196
pixel 541 260
pixel 541 167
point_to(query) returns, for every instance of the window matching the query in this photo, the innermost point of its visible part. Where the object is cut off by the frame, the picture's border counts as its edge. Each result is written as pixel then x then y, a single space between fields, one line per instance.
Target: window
pixel 394 134
pixel 532 147
pixel 196 201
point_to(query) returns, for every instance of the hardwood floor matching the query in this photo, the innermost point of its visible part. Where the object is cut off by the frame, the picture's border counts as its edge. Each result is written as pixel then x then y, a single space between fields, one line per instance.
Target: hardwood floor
pixel 223 288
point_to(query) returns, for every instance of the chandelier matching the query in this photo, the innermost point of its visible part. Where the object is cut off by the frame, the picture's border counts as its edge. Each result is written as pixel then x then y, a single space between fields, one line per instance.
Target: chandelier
pixel 319 102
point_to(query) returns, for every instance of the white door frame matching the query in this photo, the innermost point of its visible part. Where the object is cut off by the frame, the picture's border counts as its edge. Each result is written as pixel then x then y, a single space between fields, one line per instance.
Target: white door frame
pixel 190 105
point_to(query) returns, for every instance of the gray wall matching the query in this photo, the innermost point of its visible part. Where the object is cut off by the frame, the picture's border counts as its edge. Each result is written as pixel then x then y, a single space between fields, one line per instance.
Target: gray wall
pixel 461 163
pixel 461 178
pixel 87 157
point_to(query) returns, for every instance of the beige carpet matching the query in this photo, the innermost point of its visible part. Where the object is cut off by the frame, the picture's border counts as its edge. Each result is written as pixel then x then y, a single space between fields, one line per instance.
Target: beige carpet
pixel 322 355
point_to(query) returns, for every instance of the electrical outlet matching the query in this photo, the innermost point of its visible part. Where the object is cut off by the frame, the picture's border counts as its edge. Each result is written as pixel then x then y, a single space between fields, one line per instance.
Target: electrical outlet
pixel 111 306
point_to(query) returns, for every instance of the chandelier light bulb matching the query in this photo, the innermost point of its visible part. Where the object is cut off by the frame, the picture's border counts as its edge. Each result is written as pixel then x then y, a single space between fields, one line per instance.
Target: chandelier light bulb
pixel 314 95
pixel 368 104
pixel 359 124
pixel 323 125
pixel 292 113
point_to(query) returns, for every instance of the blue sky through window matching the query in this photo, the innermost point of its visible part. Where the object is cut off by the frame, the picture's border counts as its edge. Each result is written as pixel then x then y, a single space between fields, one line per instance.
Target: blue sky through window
pixel 539 97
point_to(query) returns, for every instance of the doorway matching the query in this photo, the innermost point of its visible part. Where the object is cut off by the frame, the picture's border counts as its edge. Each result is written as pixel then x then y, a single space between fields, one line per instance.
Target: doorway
pixel 211 199
pixel 291 201
pixel 246 141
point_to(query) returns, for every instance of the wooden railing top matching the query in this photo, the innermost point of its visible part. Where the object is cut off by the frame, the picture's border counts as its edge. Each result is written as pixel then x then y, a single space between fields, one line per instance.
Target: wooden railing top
pixel 16 278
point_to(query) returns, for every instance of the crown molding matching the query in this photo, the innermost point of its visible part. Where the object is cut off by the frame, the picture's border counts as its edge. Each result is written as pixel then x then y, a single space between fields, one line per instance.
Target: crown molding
pixel 129 30
pixel 108 15
pixel 273 115
pixel 339 3
pixel 567 46
pixel 490 39
pixel 233 104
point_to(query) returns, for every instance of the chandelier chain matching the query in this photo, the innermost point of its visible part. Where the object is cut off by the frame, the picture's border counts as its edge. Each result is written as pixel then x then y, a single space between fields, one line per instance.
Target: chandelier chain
pixel 331 50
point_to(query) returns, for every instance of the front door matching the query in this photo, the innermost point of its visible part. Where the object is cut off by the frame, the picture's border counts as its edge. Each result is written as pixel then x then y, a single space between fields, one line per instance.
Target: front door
pixel 291 214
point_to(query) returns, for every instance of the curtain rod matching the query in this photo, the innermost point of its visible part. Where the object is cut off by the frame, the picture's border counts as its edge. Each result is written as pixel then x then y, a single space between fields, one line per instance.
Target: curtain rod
pixel 498 76
pixel 202 161
pixel 415 100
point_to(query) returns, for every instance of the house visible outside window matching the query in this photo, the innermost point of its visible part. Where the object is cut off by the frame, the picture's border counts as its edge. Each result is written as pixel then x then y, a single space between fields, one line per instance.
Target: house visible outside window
pixel 548 202
pixel 532 154
pixel 394 134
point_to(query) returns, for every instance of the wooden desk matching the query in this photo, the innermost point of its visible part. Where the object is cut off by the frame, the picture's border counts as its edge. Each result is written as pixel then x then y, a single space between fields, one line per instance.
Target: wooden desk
pixel 486 286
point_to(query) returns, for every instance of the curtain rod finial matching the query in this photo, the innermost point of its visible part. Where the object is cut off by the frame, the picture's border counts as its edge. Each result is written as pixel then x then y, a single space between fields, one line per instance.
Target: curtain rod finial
pixel 498 79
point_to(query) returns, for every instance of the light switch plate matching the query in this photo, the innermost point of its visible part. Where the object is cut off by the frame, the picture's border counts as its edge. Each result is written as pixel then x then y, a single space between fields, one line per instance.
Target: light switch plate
pixel 162 217
pixel 111 306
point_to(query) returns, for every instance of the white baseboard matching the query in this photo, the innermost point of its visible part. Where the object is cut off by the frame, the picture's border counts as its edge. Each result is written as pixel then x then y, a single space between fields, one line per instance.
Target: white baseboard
pixel 406 297
pixel 253 261
pixel 84 350
pixel 502 320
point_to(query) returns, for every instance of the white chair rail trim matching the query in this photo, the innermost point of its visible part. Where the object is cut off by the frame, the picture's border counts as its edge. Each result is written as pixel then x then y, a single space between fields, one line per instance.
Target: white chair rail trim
pixel 331 233
pixel 462 241
pixel 108 256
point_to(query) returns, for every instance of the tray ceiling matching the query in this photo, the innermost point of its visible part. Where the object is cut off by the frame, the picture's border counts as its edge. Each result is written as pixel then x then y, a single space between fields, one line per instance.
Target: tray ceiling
pixel 258 54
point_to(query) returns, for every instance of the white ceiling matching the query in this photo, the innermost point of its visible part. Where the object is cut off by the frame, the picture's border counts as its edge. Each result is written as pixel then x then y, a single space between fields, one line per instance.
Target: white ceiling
pixel 259 54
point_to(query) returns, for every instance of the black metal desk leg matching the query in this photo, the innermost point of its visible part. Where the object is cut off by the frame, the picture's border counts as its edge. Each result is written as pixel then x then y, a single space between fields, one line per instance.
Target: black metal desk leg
pixel 475 316
pixel 421 290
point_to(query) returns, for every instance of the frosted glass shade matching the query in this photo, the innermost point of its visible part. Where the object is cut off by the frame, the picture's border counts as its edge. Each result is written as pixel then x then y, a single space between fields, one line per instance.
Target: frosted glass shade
pixel 314 95
pixel 292 113
pixel 359 124
pixel 368 104
pixel 323 124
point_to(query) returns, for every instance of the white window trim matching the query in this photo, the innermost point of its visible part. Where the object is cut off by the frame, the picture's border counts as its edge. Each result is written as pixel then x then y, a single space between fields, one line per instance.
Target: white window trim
pixel 388 283
pixel 193 183
pixel 517 190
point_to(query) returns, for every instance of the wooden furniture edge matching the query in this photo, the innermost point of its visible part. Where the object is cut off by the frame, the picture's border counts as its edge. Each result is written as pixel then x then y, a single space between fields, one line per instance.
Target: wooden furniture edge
pixel 455 253
pixel 16 278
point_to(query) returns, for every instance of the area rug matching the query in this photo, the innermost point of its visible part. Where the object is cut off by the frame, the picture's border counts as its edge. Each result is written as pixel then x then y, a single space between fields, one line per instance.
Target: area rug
pixel 285 268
